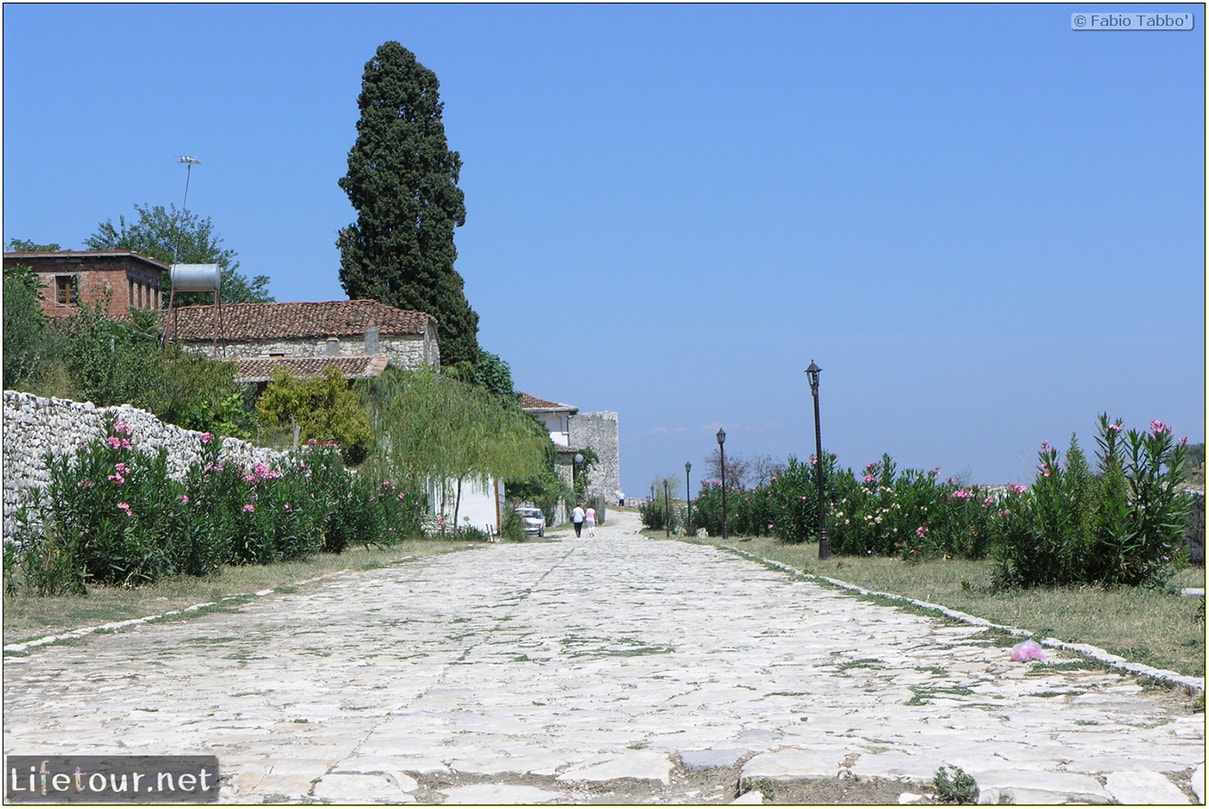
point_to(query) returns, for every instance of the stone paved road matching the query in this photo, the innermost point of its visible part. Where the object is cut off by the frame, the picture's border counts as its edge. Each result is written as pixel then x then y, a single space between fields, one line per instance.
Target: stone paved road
pixel 544 672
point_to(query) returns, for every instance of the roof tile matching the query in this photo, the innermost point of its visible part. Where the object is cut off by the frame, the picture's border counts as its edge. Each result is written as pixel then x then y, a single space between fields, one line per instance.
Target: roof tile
pixel 292 321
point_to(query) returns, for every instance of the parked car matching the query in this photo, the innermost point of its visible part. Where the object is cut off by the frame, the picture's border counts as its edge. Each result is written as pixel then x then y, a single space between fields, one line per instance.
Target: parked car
pixel 534 520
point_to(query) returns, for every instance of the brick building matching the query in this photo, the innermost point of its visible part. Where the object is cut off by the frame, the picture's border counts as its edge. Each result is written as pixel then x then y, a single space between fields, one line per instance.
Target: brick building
pixel 71 279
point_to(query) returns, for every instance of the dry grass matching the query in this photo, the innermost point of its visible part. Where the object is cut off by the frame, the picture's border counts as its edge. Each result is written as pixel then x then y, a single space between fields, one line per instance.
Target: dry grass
pixel 27 617
pixel 1159 629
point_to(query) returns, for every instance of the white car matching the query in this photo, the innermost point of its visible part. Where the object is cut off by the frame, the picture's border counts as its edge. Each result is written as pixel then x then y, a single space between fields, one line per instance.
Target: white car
pixel 534 520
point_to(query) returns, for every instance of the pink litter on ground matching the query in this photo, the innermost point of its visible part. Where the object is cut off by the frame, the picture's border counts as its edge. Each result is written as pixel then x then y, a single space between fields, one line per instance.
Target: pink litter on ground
pixel 1029 650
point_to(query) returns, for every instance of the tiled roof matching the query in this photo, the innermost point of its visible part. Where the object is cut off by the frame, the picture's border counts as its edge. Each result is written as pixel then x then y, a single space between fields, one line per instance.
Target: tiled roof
pixel 291 321
pixel 533 403
pixel 260 369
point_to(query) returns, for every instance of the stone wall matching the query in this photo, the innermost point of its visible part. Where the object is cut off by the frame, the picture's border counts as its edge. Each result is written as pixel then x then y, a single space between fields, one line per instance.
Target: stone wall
pixel 409 352
pixel 600 432
pixel 34 426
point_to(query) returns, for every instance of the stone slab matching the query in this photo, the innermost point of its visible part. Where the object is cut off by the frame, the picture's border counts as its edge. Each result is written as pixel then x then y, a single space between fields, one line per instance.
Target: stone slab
pixel 1134 787
pixel 501 794
pixel 642 765
pixel 1037 787
pixel 706 759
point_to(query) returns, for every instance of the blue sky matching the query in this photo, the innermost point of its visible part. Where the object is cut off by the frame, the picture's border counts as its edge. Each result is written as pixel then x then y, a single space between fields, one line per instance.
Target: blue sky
pixel 985 227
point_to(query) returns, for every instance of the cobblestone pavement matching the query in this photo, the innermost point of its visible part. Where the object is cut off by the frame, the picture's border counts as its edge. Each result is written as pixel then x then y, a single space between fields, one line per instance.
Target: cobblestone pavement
pixel 613 669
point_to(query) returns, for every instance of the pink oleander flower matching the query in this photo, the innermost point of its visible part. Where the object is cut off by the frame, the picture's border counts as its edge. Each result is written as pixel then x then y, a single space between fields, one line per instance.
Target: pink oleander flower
pixel 1115 427
pixel 249 507
pixel 1184 441
pixel 1017 488
pixel 123 427
pixel 962 494
pixel 989 501
pixel 125 507
pixel 207 437
pixel 84 484
pixel 184 498
pixel 121 468
pixel 921 531
pixel 869 478
pixel 1158 428
pixel 118 479
pixel 770 526
pixel 1003 512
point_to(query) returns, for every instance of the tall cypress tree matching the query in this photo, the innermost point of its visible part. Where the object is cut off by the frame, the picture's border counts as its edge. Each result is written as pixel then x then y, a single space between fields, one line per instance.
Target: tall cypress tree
pixel 402 181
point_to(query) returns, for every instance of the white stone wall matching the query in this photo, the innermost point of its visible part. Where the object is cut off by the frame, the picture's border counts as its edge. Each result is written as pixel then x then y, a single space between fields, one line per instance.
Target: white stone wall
pixel 34 426
pixel 600 432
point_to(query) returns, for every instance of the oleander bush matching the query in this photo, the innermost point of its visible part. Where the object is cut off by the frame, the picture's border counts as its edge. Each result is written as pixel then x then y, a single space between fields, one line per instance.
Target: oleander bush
pixel 112 515
pixel 1120 522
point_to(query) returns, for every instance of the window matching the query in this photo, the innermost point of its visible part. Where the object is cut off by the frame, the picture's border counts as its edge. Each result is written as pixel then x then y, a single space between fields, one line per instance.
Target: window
pixel 67 291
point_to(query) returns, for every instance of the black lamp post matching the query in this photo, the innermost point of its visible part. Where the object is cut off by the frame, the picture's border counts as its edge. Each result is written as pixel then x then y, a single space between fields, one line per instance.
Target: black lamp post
pixel 667 510
pixel 722 454
pixel 576 461
pixel 688 496
pixel 824 547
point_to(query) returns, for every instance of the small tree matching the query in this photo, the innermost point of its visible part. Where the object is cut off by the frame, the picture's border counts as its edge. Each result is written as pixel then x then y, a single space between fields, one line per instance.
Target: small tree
pixel 434 429
pixel 24 327
pixel 322 409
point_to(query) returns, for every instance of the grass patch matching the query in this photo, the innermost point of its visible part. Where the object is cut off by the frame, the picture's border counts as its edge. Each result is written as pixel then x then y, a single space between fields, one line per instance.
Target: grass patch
pixel 1158 628
pixel 28 617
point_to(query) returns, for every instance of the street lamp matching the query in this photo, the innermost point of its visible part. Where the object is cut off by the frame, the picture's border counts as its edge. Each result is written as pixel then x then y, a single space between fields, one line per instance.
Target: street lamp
pixel 722 454
pixel 824 548
pixel 667 510
pixel 688 496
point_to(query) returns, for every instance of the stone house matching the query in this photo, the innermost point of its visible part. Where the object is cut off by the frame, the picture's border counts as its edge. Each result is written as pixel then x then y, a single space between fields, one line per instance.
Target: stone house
pixel 571 431
pixel 360 338
pixel 71 279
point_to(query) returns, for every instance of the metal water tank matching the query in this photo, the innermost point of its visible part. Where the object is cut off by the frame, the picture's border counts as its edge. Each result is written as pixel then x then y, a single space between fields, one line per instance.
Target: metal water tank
pixel 196 278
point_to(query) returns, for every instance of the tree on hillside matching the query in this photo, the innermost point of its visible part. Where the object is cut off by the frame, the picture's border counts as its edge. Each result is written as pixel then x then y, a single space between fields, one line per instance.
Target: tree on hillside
pixel 402 181
pixel 183 238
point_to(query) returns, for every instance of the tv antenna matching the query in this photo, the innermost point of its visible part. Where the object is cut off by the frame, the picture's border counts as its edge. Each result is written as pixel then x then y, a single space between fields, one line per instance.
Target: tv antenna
pixel 190 161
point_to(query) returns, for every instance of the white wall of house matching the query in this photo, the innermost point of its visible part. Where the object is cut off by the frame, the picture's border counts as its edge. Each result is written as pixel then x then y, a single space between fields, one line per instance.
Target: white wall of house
pixel 481 505
pixel 559 427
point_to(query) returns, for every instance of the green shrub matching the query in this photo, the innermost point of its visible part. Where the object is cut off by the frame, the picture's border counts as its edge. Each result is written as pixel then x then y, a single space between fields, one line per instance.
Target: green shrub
pixel 1122 525
pixel 512 527
pixel 958 787
pixel 111 515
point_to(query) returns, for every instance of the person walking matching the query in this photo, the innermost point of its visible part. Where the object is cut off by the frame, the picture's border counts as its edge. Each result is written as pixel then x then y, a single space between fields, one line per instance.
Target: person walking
pixel 590 519
pixel 577 519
